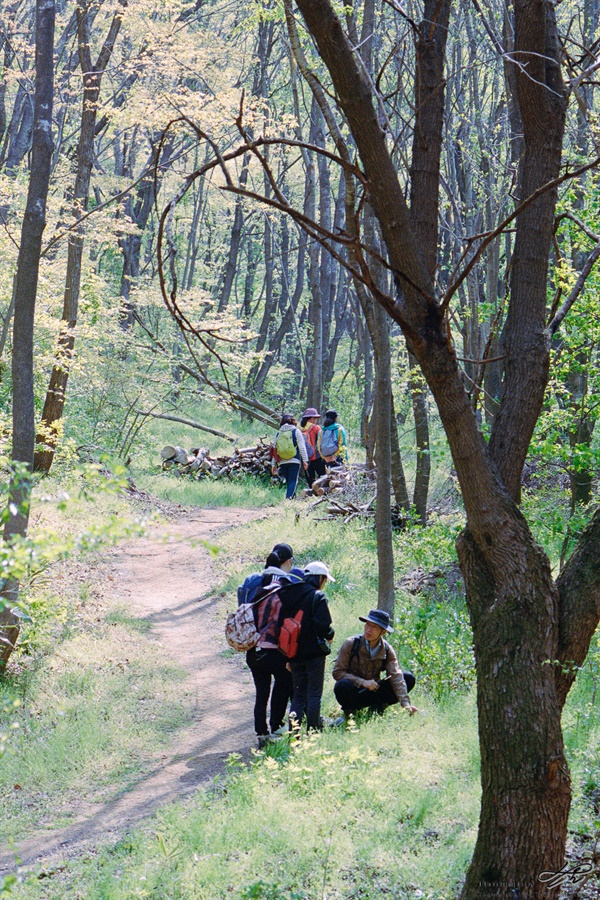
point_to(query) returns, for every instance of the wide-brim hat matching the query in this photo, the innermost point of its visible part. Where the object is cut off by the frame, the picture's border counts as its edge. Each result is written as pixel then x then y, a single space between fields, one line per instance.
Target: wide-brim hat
pixel 311 413
pixel 319 568
pixel 379 617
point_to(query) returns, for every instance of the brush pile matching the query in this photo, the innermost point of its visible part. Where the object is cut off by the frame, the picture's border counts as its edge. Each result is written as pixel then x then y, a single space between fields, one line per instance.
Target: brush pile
pixel 199 462
pixel 348 492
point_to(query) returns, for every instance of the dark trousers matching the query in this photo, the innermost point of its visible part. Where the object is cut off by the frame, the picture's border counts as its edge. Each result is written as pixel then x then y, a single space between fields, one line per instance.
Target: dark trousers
pixel 316 468
pixel 291 473
pixel 308 676
pixel 266 665
pixel 352 698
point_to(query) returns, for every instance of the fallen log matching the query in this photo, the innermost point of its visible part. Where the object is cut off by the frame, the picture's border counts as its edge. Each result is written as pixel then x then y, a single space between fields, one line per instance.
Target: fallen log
pixel 175 454
pixel 189 422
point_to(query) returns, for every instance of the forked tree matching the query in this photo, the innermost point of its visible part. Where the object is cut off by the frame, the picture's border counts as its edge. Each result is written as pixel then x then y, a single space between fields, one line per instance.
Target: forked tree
pixel 530 632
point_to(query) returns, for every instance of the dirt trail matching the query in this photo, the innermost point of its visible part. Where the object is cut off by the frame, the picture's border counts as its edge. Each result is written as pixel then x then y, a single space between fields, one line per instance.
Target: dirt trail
pixel 162 577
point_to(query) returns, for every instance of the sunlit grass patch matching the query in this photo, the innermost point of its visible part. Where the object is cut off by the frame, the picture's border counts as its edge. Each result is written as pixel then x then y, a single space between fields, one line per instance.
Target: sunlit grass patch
pixel 91 717
pixel 390 807
pixel 121 616
pixel 246 493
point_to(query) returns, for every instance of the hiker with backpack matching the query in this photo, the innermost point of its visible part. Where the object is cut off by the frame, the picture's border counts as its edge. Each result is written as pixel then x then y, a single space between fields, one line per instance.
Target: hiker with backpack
pixel 268 666
pixel 358 667
pixel 283 570
pixel 288 454
pixel 308 604
pixel 331 443
pixel 309 425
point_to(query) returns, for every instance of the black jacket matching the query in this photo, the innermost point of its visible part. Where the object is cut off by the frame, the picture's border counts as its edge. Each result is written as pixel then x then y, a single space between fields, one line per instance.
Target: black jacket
pixel 316 618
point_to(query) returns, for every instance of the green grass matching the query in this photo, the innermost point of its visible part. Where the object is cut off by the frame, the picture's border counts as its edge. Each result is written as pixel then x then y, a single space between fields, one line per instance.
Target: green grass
pixel 245 493
pixel 388 809
pixel 120 616
pixel 91 716
pixel 382 810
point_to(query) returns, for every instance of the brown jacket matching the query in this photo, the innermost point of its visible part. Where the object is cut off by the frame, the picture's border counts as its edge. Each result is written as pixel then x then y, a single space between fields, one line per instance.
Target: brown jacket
pixel 362 667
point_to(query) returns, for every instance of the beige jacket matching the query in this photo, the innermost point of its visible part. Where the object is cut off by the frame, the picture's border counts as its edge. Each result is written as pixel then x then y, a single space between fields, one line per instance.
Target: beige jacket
pixel 362 667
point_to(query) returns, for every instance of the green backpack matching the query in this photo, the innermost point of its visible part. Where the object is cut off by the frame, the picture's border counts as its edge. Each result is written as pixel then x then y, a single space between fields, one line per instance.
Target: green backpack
pixel 286 445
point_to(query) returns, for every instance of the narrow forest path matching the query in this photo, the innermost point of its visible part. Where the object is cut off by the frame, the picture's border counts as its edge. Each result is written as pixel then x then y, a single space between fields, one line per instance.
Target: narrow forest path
pixel 166 578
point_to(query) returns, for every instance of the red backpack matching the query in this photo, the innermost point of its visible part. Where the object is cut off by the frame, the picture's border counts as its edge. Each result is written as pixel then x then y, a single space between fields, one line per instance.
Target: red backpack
pixel 289 634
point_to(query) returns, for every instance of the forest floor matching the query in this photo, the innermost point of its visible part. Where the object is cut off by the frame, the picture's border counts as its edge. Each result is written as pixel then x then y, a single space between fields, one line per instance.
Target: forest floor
pixel 166 577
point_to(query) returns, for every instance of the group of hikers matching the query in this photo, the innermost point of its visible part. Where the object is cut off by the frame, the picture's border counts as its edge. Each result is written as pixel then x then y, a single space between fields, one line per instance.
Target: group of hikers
pixel 283 592
pixel 311 447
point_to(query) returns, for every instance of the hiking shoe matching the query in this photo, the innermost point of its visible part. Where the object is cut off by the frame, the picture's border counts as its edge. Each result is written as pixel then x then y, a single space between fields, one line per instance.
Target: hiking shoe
pixel 339 722
pixel 332 723
pixel 262 740
pixel 273 738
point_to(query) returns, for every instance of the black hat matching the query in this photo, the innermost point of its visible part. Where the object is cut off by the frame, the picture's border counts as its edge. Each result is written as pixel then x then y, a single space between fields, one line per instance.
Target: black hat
pixel 283 551
pixel 379 617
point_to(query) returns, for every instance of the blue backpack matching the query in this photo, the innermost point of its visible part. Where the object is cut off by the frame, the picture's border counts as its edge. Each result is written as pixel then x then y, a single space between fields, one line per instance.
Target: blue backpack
pixel 246 593
pixel 248 590
pixel 329 440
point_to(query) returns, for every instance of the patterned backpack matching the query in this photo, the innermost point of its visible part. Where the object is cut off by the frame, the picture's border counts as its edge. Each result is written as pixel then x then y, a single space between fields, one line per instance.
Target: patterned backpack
pixel 240 630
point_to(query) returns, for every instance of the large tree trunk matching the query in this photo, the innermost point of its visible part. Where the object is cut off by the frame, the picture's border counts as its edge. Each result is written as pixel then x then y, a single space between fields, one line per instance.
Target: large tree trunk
pixel 288 318
pixel 235 242
pixel 513 604
pixel 138 209
pixel 526 787
pixel 424 201
pixel 28 261
pixel 526 344
pixel 418 394
pixel 314 391
pixel 398 477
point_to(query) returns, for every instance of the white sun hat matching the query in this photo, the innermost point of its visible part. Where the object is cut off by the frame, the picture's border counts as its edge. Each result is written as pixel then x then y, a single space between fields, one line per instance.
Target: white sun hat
pixel 319 568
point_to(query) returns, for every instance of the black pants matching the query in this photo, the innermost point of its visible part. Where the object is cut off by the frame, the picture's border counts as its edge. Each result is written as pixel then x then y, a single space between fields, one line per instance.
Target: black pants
pixel 266 665
pixel 352 698
pixel 308 675
pixel 316 468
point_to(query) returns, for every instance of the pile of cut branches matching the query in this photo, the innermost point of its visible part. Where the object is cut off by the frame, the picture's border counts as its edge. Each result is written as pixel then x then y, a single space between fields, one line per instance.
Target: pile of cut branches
pixel 348 492
pixel 199 463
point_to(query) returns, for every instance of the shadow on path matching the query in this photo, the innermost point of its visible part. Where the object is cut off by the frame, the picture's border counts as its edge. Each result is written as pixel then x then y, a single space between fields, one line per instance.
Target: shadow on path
pixel 165 579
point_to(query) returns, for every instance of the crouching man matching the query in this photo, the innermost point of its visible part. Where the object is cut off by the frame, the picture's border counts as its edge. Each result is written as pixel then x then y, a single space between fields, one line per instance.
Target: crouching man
pixel 361 660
